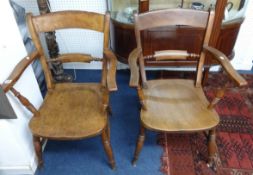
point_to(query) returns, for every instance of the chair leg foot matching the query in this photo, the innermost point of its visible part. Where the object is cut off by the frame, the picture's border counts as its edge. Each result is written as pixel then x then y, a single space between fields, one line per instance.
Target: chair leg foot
pixel 139 145
pixel 108 148
pixel 212 148
pixel 38 150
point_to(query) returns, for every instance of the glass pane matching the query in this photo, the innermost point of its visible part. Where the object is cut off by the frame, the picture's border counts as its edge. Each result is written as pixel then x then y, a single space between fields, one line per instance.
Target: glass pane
pixel 163 4
pixel 122 10
pixel 235 9
pixel 200 4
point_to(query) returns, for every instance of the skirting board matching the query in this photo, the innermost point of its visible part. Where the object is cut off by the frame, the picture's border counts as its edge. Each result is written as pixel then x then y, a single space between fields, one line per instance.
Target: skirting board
pixel 22 170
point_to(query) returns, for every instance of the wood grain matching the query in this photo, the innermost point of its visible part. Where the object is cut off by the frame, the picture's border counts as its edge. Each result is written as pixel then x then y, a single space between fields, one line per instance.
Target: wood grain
pixel 112 64
pixel 24 101
pixel 74 57
pixel 69 19
pixel 18 70
pixel 36 40
pixel 153 19
pixel 70 111
pixel 224 61
pixel 173 55
pixel 176 105
pixel 134 69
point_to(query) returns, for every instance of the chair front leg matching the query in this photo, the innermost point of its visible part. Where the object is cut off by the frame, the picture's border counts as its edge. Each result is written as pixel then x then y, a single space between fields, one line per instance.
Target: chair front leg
pixel 212 148
pixel 108 148
pixel 139 145
pixel 38 150
pixel 108 130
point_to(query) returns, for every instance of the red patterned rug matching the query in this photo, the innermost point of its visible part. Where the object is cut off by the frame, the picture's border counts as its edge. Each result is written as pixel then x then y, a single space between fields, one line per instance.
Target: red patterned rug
pixel 186 154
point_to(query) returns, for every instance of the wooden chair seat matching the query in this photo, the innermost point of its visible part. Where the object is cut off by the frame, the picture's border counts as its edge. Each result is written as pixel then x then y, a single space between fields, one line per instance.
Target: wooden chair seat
pixel 70 111
pixel 176 105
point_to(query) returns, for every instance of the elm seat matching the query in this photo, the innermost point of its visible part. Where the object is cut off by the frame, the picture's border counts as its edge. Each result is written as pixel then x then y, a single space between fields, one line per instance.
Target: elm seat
pixel 164 96
pixel 70 111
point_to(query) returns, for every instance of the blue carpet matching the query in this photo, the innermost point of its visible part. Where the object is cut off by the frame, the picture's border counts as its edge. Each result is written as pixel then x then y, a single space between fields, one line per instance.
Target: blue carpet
pixel 87 157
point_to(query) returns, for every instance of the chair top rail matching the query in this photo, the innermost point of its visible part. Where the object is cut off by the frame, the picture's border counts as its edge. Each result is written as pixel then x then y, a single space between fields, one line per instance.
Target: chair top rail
pixel 69 19
pixel 168 17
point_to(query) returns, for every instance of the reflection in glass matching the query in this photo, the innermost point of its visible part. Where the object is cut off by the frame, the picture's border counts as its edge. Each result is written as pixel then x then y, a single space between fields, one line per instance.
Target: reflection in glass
pixel 123 10
pixel 162 4
pixel 235 9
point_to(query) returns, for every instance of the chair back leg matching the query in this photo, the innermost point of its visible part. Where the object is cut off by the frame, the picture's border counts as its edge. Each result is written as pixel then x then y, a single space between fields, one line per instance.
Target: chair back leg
pixel 212 148
pixel 38 150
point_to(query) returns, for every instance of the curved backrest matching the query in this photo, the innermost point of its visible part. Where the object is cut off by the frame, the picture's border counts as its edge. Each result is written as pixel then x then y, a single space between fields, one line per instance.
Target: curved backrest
pixel 160 18
pixel 173 17
pixel 65 20
pixel 69 19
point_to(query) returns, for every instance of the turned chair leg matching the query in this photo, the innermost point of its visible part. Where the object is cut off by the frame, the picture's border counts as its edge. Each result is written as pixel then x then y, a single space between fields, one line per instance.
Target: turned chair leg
pixel 139 145
pixel 212 148
pixel 108 130
pixel 108 148
pixel 38 150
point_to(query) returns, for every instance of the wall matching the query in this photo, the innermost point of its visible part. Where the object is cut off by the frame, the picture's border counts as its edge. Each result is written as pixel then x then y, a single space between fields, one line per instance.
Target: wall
pixel 244 44
pixel 16 149
pixel 82 41
pixel 78 40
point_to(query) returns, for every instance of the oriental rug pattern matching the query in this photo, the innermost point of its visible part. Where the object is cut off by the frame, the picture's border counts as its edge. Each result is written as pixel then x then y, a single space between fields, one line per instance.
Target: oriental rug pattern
pixel 186 154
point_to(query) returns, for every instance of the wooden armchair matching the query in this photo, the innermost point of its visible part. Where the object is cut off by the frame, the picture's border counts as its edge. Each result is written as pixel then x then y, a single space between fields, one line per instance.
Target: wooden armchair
pixel 177 105
pixel 69 111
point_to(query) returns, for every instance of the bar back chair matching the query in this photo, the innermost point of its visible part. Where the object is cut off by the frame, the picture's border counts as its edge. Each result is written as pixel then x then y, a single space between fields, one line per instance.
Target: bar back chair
pixel 177 105
pixel 70 111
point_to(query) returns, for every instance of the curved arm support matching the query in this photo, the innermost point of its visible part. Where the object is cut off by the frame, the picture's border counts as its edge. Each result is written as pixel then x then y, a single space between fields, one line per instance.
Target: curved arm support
pixel 135 75
pixel 18 70
pixel 224 62
pixel 111 73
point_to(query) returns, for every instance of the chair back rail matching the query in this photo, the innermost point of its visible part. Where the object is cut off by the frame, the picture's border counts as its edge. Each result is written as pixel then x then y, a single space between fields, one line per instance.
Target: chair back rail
pixel 173 17
pixel 73 19
pixel 69 19
pixel 167 17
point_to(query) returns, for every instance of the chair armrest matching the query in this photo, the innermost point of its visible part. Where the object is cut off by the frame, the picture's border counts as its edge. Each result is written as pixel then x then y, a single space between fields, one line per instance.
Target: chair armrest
pixel 74 57
pixel 18 70
pixel 134 69
pixel 224 62
pixel 111 73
